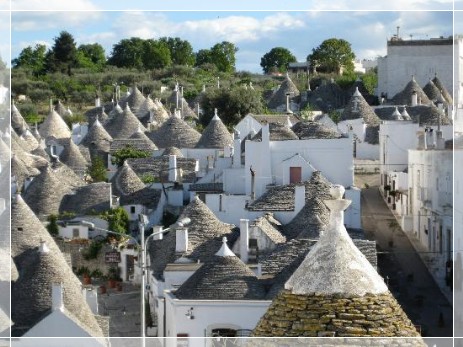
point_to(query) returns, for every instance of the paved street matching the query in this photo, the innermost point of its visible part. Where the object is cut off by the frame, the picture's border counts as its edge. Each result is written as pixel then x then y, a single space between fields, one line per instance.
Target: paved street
pixel 123 308
pixel 409 279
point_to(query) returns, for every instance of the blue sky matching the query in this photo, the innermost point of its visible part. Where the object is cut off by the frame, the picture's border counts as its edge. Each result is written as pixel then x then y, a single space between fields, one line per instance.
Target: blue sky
pixel 254 33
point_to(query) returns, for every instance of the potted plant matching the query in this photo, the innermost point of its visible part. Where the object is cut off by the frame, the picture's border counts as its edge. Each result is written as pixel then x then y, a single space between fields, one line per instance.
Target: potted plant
pixel 113 276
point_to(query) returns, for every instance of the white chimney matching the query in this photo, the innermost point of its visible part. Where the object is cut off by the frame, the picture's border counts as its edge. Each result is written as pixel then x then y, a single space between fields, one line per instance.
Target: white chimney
pixel 259 270
pixel 299 198
pixel 244 240
pixel 157 229
pixel 43 248
pixel 265 133
pixel 173 168
pixel 420 135
pixel 440 142
pixel 181 240
pixel 97 102
pixel 236 149
pixel 57 298
pixel 414 100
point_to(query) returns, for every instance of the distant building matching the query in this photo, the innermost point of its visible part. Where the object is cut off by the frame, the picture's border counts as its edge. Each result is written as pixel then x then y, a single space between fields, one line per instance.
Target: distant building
pixel 421 58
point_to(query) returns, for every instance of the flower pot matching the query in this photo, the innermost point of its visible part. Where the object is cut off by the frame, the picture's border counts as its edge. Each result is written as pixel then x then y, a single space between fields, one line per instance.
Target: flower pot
pixel 112 283
pixel 102 289
pixel 119 287
pixel 87 279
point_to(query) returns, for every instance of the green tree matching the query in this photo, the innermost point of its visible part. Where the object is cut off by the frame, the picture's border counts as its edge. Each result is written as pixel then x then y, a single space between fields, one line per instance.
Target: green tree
pixel 118 219
pixel 122 154
pixel 223 55
pixel 181 51
pixel 91 56
pixel 97 170
pixel 231 104
pixel 52 225
pixel 332 55
pixel 63 55
pixel 277 60
pixel 370 80
pixel 156 55
pixel 204 56
pixel 31 58
pixel 127 53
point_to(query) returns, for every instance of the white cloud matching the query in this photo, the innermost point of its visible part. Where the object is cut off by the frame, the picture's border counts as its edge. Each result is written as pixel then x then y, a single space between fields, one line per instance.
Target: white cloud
pixel 27 21
pixel 231 28
pixel 390 5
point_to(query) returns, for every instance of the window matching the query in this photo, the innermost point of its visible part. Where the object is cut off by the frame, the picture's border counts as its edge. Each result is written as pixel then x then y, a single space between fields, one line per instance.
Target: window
pixel 132 209
pixel 75 233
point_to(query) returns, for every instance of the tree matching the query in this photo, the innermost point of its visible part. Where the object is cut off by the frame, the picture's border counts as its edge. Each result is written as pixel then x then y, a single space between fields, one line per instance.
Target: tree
pixel 117 218
pixel 97 170
pixel 91 56
pixel 223 55
pixel 156 55
pixel 277 60
pixel 31 58
pixel 204 56
pixel 122 154
pixel 232 104
pixel 181 51
pixel 63 55
pixel 127 53
pixel 332 55
pixel 52 225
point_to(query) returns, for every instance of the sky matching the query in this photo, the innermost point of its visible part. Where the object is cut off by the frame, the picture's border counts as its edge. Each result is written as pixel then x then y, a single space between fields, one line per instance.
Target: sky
pixel 254 33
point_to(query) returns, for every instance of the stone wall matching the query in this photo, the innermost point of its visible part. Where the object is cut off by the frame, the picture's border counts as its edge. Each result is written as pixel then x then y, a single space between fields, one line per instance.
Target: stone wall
pixel 334 315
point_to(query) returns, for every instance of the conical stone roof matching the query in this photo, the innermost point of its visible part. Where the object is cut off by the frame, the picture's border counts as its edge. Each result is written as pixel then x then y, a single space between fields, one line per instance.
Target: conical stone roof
pixel 279 97
pixel 339 288
pixel 97 139
pixel 187 112
pixel 20 170
pixel 126 181
pixel 72 157
pixel 61 109
pixel 45 193
pixel 140 135
pixel 404 97
pixel 123 126
pixel 327 97
pixel 309 129
pixel 31 292
pixel 17 121
pixel 160 114
pixel 28 140
pixel 135 99
pixel 147 106
pixel 205 233
pixel 31 160
pixel 438 83
pixel 278 132
pixel 224 277
pixel 54 126
pixel 173 151
pixel 431 91
pixel 215 135
pixel 175 132
pixel 359 108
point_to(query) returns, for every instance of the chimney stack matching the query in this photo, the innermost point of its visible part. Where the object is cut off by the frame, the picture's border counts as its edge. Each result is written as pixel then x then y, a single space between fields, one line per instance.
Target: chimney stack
pixel 157 229
pixel 236 149
pixel 420 134
pixel 57 299
pixel 173 177
pixel 414 100
pixel 181 239
pixel 244 240
pixel 265 133
pixel 299 198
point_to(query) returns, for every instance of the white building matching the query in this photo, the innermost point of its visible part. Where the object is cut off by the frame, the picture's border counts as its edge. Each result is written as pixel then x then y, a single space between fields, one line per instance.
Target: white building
pixel 430 200
pixel 421 58
pixel 232 307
